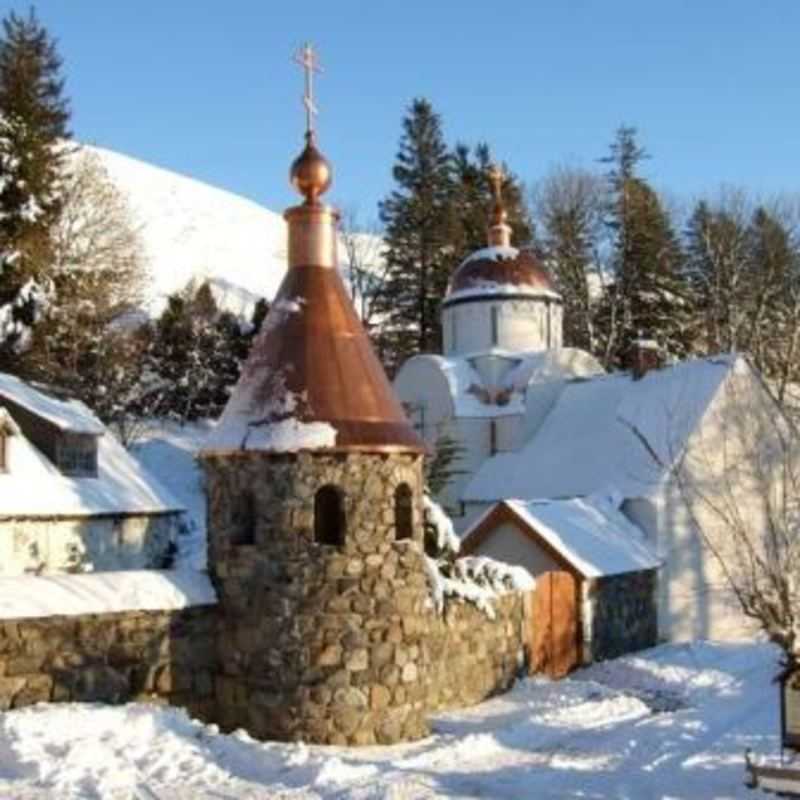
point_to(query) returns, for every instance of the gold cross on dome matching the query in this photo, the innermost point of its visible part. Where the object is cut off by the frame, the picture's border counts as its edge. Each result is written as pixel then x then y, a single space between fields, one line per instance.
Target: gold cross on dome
pixel 308 60
pixel 496 178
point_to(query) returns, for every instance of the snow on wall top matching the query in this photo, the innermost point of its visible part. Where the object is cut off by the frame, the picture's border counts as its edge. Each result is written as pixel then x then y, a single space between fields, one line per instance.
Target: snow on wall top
pixel 590 533
pixel 34 487
pixel 67 415
pixel 28 596
pixel 607 432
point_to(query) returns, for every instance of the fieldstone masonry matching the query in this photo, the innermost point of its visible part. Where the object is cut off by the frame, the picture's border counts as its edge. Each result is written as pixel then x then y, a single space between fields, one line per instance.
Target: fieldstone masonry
pixel 624 616
pixel 111 658
pixel 323 643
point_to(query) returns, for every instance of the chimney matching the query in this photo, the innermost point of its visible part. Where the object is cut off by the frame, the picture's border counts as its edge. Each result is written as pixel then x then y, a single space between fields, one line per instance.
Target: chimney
pixel 645 354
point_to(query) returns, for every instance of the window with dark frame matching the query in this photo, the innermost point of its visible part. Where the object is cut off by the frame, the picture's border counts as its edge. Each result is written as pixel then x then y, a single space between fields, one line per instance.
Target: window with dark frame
pixel 403 512
pixel 329 516
pixel 76 454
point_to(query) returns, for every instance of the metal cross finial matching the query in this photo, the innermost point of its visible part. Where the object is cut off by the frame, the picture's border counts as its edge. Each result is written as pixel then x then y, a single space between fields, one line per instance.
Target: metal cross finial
pixel 307 59
pixel 497 176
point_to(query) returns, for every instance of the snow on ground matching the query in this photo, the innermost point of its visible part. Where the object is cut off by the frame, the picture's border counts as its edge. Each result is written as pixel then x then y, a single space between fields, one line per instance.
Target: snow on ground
pixel 671 722
pixel 167 450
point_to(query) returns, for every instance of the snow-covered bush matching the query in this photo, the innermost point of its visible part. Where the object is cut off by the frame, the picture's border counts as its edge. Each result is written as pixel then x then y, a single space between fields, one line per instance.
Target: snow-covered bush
pixel 476 579
pixel 440 537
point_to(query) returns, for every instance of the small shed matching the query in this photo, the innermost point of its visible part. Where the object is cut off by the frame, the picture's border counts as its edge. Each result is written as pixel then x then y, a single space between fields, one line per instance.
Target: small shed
pixel 596 595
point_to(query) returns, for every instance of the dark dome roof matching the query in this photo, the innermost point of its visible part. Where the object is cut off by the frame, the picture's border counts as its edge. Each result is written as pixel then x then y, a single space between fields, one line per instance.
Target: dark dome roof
pixel 500 270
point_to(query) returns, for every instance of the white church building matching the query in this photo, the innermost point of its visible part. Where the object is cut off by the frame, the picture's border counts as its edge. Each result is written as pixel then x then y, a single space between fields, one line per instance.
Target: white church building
pixel 540 423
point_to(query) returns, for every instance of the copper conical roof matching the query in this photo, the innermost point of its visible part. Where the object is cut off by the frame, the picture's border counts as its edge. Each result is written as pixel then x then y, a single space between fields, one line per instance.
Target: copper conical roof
pixel 312 380
pixel 314 365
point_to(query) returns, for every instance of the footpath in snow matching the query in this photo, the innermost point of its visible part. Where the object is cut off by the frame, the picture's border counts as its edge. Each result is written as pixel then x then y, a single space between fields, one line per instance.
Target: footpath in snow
pixel 671 722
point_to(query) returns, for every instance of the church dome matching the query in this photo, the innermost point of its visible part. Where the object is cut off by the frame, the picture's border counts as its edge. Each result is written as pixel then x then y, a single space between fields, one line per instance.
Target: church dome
pixel 499 271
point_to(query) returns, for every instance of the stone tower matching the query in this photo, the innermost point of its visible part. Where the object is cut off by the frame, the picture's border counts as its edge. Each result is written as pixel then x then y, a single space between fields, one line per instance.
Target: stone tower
pixel 314 482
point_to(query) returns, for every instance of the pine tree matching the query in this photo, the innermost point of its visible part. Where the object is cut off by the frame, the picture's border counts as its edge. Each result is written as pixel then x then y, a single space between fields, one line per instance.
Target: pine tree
pixel 717 243
pixel 649 295
pixel 419 226
pixel 197 352
pixel 473 200
pixel 33 125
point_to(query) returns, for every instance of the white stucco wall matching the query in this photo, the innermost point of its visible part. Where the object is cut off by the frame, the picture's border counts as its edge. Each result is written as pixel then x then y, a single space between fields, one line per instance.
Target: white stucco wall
pixel 736 434
pixel 507 543
pixel 527 324
pixel 97 544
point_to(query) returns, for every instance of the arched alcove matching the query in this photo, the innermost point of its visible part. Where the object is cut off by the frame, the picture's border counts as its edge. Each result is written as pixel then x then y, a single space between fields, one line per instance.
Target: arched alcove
pixel 329 516
pixel 243 520
pixel 403 512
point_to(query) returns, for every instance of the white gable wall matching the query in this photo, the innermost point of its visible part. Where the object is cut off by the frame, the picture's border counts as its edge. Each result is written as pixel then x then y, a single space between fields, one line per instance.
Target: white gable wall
pixel 694 597
pixel 507 543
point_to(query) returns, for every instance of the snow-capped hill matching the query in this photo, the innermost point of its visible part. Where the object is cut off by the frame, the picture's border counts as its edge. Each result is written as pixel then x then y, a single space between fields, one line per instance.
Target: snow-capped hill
pixel 193 231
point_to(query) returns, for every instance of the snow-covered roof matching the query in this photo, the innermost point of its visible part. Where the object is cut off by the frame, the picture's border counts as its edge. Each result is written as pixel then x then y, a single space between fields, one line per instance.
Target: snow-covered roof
pixel 466 386
pixel 609 431
pixel 67 415
pixel 590 533
pixel 34 487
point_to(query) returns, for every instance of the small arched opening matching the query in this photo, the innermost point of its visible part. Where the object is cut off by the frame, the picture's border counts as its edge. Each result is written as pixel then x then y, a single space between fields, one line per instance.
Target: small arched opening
pixel 329 517
pixel 403 512
pixel 243 520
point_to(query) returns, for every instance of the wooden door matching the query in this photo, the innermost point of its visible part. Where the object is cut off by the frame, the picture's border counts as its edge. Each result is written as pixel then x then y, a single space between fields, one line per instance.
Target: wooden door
pixel 554 616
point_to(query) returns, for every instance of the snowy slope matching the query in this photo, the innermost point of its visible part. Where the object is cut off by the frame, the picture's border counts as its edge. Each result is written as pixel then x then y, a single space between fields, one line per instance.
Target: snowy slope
pixel 195 231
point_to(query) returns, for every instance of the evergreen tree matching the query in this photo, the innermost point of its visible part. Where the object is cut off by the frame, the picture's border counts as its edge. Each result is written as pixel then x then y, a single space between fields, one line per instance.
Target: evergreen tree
pixel 33 125
pixel 717 243
pixel 648 295
pixel 419 227
pixel 473 201
pixel 197 351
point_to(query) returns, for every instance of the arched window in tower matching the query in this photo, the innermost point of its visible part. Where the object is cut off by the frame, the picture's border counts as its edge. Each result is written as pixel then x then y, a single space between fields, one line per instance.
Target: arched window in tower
pixel 329 517
pixel 403 512
pixel 243 519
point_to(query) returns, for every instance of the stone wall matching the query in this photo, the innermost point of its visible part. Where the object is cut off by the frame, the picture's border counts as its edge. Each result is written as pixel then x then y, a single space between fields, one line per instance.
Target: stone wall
pixel 111 658
pixel 472 656
pixel 624 615
pixel 46 545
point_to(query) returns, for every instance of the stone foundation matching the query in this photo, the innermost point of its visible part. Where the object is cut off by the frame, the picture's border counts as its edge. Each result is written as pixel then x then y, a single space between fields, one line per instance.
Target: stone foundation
pixel 111 658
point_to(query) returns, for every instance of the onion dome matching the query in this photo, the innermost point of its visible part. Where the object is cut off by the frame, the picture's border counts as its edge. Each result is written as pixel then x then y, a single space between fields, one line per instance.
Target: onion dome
pixel 312 380
pixel 499 270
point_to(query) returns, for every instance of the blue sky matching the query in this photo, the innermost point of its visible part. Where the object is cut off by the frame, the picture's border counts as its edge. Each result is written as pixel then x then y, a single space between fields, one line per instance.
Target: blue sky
pixel 208 88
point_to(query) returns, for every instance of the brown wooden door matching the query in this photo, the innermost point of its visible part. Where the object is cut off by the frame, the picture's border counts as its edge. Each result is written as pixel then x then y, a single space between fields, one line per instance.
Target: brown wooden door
pixel 554 617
